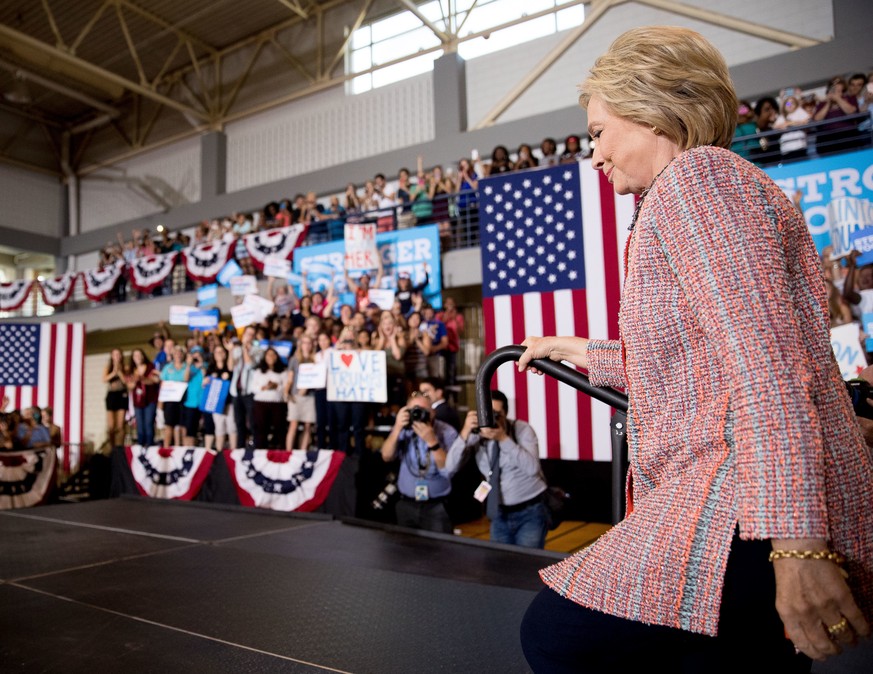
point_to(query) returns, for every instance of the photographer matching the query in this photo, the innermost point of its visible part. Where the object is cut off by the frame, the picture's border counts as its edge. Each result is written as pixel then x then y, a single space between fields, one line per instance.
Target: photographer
pixel 424 481
pixel 514 486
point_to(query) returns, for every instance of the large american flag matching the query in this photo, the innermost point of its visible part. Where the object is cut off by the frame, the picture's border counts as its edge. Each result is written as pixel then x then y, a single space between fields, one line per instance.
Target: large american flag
pixel 552 264
pixel 42 364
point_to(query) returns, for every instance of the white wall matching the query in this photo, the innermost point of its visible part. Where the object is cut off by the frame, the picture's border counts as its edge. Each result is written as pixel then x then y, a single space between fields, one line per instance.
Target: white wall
pixel 328 130
pixel 94 428
pixel 29 202
pixel 489 77
pixel 172 172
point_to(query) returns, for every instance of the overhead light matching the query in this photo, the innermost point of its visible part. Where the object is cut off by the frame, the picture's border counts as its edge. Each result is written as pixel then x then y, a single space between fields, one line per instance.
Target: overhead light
pixel 19 92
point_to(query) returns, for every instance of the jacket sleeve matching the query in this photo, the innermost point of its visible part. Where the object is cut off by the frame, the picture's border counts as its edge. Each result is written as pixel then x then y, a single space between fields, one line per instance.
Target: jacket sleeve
pixel 605 363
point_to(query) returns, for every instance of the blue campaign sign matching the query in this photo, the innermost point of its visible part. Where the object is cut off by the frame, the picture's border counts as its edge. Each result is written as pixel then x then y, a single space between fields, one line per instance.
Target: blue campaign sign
pixel 228 271
pixel 207 296
pixel 838 187
pixel 402 250
pixel 862 241
pixel 283 348
pixel 214 396
pixel 204 320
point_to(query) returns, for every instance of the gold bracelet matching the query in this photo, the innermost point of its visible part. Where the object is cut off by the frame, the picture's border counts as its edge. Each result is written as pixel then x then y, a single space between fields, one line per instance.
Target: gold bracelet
pixel 828 555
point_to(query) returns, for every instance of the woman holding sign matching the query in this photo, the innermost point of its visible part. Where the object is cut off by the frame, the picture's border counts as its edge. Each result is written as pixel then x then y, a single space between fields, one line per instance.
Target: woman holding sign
pixel 224 422
pixel 301 402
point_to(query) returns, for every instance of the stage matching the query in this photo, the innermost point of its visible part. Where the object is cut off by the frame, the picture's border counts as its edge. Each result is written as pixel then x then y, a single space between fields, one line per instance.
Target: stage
pixel 140 585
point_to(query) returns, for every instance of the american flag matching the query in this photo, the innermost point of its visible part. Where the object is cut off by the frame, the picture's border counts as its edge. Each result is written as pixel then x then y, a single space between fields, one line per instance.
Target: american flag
pixel 42 364
pixel 552 264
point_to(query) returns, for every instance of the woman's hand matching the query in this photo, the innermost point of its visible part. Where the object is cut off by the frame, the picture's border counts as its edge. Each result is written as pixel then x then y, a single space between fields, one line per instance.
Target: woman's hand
pixel 811 596
pixel 572 349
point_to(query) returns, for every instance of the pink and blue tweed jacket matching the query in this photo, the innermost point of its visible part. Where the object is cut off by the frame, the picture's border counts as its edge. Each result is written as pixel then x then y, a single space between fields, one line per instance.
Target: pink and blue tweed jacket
pixel 737 413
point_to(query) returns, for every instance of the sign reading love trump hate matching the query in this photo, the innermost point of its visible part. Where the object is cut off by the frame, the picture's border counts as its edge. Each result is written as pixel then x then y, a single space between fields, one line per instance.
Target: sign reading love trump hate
pixel 357 376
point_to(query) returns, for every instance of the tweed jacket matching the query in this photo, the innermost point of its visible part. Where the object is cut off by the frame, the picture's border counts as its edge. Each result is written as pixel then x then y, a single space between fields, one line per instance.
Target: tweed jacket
pixel 737 414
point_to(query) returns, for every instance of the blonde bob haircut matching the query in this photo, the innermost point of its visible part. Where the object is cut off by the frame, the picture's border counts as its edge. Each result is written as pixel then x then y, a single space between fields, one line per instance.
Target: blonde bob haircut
pixel 670 78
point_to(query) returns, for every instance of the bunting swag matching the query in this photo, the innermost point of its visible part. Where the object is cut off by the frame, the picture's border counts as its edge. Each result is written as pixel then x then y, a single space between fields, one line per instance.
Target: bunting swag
pixel 26 477
pixel 204 261
pixel 57 291
pixel 13 295
pixel 279 242
pixel 281 480
pixel 98 282
pixel 147 273
pixel 169 472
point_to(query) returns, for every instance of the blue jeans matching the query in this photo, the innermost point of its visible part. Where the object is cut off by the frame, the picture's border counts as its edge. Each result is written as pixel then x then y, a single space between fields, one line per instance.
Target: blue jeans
pixel 145 424
pixel 526 527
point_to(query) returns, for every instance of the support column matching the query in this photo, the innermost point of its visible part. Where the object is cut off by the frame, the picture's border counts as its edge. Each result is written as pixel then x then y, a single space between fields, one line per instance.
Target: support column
pixel 449 96
pixel 213 164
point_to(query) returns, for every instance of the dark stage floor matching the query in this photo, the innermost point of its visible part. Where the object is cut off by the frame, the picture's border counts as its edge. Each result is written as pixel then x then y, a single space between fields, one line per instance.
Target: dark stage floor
pixel 138 585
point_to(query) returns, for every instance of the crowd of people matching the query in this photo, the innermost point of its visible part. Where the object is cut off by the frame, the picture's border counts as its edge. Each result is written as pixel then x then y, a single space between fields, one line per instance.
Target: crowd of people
pixel 28 428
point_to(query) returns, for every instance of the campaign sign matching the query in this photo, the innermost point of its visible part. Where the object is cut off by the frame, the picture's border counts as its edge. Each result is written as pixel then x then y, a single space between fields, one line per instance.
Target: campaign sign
pixel 311 376
pixel 867 322
pixel 172 391
pixel 357 376
pixel 214 396
pixel 277 267
pixel 283 348
pixel 862 241
pixel 243 285
pixel 205 319
pixel 401 250
pixel 243 315
pixel 179 314
pixel 229 271
pixel 262 306
pixel 848 217
pixel 381 296
pixel 360 247
pixel 207 295
pixel 295 280
pixel 845 341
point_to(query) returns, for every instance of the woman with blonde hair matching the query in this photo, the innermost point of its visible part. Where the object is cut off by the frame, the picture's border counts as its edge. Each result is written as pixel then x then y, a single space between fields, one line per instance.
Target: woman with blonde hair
pixel 301 401
pixel 391 338
pixel 117 399
pixel 749 487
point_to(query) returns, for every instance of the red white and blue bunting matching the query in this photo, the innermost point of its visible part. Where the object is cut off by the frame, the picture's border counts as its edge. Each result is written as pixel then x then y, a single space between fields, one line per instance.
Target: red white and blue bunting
pixel 279 242
pixel 13 294
pixel 280 480
pixel 204 261
pixel 26 477
pixel 98 282
pixel 169 472
pixel 57 291
pixel 147 273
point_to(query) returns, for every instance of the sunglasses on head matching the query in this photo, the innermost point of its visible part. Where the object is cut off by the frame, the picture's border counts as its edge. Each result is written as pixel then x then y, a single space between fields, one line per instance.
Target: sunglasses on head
pixel 417 394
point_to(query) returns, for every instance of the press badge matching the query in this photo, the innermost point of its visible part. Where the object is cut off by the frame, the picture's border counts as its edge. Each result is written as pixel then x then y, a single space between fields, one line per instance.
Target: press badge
pixel 481 492
pixel 421 491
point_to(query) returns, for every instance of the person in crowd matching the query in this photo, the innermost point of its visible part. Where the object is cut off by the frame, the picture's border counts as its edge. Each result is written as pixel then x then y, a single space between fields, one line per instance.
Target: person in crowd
pixel 242 225
pixel 158 342
pixel 283 296
pixel 352 200
pixel 349 418
pixel 858 286
pixel 839 134
pixel 746 126
pixel 301 401
pixel 792 144
pixel 454 322
pixel 361 287
pixel 245 356
pixel 406 290
pixel 500 162
pixel 323 422
pixel 322 305
pixel 440 195
pixel 434 389
pixel 766 112
pixel 312 214
pixel 419 195
pixel 191 414
pixel 56 433
pixel 143 384
pixel 385 201
pixel 177 370
pixel 271 214
pixel 508 456
pixel 549 151
pixel 525 159
pixel 419 442
pixel 9 441
pixel 573 150
pixel 32 434
pixel 405 216
pixel 224 421
pixel 335 217
pixel 115 375
pixel 749 482
pixel 466 187
pixel 859 87
pixel 439 337
pixel 389 337
pixel 269 410
pixel 418 346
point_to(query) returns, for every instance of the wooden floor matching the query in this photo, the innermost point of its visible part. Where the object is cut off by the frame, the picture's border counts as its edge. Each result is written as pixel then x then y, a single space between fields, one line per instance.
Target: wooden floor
pixel 568 537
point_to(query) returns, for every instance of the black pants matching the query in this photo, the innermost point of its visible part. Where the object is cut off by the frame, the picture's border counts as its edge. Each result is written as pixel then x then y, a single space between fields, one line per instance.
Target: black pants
pixel 349 416
pixel 560 637
pixel 242 415
pixel 269 421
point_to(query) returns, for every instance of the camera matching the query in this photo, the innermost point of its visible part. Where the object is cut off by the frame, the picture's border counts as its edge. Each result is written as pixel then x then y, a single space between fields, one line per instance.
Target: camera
pixel 859 391
pixel 418 414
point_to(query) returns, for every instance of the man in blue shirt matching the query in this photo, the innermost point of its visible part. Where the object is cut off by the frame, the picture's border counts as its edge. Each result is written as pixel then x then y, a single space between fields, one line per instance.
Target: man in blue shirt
pixel 420 443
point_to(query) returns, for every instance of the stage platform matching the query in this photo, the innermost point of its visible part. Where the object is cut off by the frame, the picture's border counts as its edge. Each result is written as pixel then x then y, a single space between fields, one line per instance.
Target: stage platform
pixel 141 585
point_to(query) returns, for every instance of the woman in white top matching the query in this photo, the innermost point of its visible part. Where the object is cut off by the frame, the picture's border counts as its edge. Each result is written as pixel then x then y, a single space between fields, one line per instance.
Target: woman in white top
pixel 301 401
pixel 792 144
pixel 269 410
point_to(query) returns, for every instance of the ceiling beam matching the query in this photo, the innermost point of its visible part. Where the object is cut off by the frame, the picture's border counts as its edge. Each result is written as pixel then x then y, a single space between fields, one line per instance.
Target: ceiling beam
pixel 442 35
